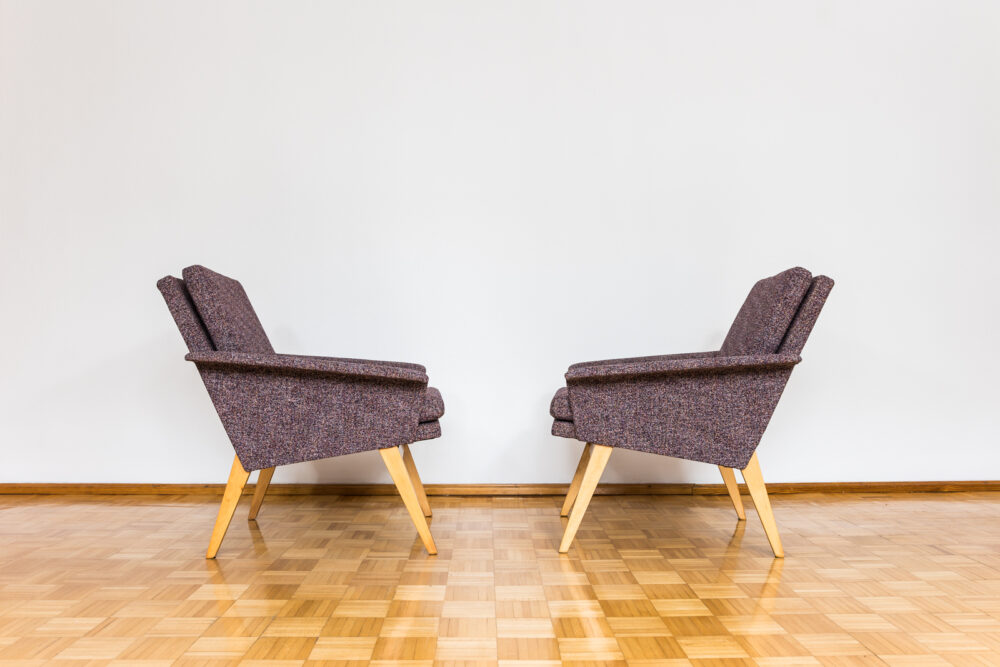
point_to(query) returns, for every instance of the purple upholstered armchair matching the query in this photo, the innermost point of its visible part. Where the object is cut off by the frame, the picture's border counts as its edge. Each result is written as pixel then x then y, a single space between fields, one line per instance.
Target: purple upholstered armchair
pixel 705 406
pixel 279 408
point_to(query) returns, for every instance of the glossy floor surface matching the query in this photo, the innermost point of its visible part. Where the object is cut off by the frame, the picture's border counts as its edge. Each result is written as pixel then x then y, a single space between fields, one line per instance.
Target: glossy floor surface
pixel 868 580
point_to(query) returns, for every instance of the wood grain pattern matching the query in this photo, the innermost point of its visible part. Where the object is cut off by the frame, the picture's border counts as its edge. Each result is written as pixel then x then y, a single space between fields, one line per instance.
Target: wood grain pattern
pixel 729 477
pixel 597 461
pixel 758 492
pixel 234 489
pixel 397 470
pixel 897 579
pixel 574 485
pixel 780 488
pixel 260 490
pixel 418 486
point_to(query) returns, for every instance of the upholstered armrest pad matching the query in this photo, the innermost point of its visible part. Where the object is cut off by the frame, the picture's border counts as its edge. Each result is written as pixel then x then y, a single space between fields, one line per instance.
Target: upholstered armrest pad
pixel 659 357
pixel 308 365
pixel 693 365
pixel 398 364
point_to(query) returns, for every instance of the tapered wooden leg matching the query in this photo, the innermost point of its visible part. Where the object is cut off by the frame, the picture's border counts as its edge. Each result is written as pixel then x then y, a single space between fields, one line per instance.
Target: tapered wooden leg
pixel 397 470
pixel 234 489
pixel 755 483
pixel 574 486
pixel 263 479
pixel 418 486
pixel 729 477
pixel 591 476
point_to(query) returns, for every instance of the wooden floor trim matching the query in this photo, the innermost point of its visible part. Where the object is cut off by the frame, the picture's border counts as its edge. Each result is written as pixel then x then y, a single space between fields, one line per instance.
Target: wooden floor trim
pixel 499 489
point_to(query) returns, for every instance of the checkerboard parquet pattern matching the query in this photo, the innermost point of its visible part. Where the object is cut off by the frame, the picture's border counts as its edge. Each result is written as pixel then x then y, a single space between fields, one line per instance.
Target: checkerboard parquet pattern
pixel 908 579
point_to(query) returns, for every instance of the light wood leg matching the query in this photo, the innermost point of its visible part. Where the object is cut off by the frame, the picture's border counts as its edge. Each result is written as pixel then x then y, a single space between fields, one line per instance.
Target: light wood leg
pixel 418 486
pixel 574 486
pixel 592 475
pixel 397 470
pixel 729 477
pixel 234 489
pixel 755 483
pixel 263 479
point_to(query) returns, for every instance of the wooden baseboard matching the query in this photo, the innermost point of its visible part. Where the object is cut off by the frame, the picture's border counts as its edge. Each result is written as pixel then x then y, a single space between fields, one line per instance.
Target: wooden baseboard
pixel 498 489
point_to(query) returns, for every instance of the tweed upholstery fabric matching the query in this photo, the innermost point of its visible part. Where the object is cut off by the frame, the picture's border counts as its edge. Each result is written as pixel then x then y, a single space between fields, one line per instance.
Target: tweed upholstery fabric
pixel 766 314
pixel 305 365
pixel 182 309
pixel 808 313
pixel 659 357
pixel 559 407
pixel 711 416
pixel 428 430
pixel 706 406
pixel 279 409
pixel 432 407
pixel 275 417
pixel 563 429
pixel 680 366
pixel 226 311
pixel 400 364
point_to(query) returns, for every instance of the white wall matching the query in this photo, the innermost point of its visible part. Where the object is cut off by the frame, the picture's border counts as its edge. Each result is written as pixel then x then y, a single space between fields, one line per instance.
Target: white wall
pixel 498 189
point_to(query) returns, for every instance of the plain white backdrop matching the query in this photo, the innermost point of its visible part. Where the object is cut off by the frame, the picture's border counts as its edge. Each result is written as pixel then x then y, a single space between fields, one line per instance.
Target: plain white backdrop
pixel 496 190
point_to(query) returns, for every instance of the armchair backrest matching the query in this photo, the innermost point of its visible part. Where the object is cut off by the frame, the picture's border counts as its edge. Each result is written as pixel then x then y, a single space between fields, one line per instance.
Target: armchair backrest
pixel 768 313
pixel 805 318
pixel 225 310
pixel 183 311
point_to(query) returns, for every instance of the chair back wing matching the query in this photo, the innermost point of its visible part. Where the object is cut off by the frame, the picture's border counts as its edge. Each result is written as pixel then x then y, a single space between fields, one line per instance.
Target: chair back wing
pixel 225 310
pixel 807 315
pixel 185 316
pixel 766 315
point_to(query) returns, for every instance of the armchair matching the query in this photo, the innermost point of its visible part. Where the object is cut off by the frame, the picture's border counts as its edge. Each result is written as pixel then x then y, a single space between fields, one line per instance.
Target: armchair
pixel 279 409
pixel 709 406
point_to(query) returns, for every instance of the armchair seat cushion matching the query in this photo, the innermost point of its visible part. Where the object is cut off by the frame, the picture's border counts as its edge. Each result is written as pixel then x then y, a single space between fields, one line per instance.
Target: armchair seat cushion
pixel 559 408
pixel 429 430
pixel 562 429
pixel 563 425
pixel 432 408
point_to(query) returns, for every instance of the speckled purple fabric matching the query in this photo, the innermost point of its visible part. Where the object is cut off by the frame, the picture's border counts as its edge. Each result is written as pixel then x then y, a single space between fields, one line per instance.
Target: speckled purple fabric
pixel 428 430
pixel 706 406
pixel 659 357
pixel 564 429
pixel 192 329
pixel 280 409
pixel 305 365
pixel 433 406
pixel 662 367
pixel 805 318
pixel 226 311
pixel 559 407
pixel 766 314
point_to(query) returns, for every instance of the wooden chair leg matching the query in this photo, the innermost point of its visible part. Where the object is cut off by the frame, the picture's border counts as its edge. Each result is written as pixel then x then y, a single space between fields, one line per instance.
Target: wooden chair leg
pixel 397 470
pixel 574 486
pixel 755 483
pixel 591 476
pixel 263 480
pixel 729 477
pixel 234 489
pixel 418 486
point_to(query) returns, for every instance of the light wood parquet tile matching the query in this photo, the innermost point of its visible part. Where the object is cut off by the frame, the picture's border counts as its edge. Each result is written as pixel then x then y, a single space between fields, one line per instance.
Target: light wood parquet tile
pixel 907 579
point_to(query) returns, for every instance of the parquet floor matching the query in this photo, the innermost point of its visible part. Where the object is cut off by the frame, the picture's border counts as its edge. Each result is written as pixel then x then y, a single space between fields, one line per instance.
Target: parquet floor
pixel 869 580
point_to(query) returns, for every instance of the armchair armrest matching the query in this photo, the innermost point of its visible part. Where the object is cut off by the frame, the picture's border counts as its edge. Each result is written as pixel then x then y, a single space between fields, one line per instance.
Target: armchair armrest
pixel 398 364
pixel 308 365
pixel 653 366
pixel 659 357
